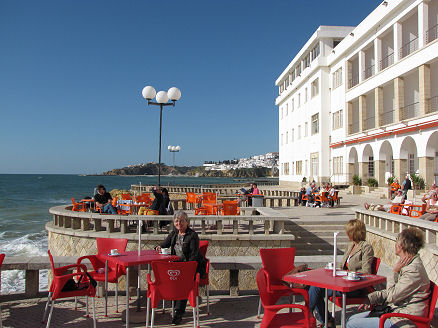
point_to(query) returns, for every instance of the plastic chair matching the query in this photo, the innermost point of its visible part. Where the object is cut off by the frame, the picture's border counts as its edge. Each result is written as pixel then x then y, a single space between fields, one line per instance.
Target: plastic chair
pixel 60 278
pixel 276 263
pixel 359 300
pixel 144 198
pixel 104 246
pixel 173 281
pixel 420 322
pixel 126 196
pixel 417 210
pixel 292 319
pixel 78 207
pixel 203 246
pixel 230 208
pixel 209 197
pixel 191 199
pixel 2 257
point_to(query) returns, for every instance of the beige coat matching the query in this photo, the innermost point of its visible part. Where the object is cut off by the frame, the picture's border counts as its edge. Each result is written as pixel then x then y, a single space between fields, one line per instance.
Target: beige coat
pixel 405 289
pixel 362 258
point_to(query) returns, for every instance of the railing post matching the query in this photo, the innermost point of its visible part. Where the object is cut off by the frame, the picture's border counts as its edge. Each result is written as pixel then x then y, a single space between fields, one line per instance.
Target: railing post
pixel 123 226
pixel 251 227
pixel 97 224
pixel 32 283
pixel 110 225
pixel 85 224
pixel 235 227
pixel 220 227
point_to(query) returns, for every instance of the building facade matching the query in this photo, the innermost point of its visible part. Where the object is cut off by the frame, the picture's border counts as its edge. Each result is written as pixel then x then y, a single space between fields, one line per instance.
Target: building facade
pixel 365 102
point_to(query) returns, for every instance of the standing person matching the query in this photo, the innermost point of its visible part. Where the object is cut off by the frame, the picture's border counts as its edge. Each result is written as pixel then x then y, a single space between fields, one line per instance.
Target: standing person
pixel 183 242
pixel 406 186
pixel 357 257
pixel 255 190
pixel 431 208
pixel 157 205
pixel 103 200
pixel 408 287
pixel 395 185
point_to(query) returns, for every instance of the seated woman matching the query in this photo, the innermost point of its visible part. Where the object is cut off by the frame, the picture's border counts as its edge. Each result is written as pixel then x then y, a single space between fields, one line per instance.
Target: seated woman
pixel 431 208
pixel 183 242
pixel 407 288
pixel 397 200
pixel 358 257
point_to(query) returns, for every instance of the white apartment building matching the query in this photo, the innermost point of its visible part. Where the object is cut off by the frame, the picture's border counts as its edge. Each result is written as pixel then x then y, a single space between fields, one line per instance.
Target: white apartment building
pixel 363 101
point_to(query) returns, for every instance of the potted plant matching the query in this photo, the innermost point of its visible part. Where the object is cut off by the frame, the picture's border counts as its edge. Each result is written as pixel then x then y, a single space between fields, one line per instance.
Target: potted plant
pixel 357 182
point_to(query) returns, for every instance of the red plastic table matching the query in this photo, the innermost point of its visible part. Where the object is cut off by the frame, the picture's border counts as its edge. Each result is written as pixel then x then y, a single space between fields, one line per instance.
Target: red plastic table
pixel 130 259
pixel 324 279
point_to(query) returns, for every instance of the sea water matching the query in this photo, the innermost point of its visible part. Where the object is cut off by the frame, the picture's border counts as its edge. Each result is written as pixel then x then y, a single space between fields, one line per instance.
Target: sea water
pixel 25 200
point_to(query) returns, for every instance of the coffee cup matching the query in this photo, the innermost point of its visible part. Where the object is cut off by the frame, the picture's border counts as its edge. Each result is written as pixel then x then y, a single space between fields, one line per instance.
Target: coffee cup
pixel 352 275
pixel 329 265
pixel 165 251
pixel 114 252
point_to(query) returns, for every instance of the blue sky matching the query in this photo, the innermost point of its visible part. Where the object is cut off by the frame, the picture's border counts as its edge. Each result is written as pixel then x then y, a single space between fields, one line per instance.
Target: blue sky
pixel 72 74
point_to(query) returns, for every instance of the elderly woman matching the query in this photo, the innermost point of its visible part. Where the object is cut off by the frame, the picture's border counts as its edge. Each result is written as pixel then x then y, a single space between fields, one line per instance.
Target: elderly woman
pixel 431 207
pixel 183 242
pixel 407 288
pixel 357 257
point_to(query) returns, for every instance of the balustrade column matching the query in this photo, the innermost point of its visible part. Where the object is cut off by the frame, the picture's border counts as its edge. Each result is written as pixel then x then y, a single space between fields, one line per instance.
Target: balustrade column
pixel 424 88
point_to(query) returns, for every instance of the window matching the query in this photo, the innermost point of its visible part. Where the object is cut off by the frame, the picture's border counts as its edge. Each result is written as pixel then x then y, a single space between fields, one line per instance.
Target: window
pixel 292 135
pixel 299 100
pixel 337 78
pixel 315 164
pixel 305 95
pixel 287 137
pixel 305 129
pixel 306 61
pixel 286 83
pixel 337 120
pixel 299 167
pixel 371 166
pixel 338 165
pixel 315 124
pixel 298 70
pixel 292 168
pixel 411 163
pixel 299 131
pixel 293 105
pixel 315 51
pixel 315 88
pixel 286 169
pixel 281 88
pixel 292 76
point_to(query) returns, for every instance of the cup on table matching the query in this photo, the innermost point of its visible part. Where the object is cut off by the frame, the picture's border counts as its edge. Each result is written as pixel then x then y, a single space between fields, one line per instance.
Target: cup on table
pixel 114 251
pixel 165 251
pixel 329 266
pixel 352 275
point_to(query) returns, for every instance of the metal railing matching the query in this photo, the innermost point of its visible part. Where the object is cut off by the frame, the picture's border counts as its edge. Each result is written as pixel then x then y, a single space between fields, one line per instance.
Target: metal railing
pixel 386 61
pixel 432 104
pixel 368 72
pixel 432 34
pixel 353 127
pixel 387 117
pixel 370 123
pixel 410 111
pixel 409 48
pixel 353 81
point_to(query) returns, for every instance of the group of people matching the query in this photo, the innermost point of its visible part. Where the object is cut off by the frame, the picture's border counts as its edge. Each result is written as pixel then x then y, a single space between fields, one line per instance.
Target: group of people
pixel 407 289
pixel 326 190
pixel 405 187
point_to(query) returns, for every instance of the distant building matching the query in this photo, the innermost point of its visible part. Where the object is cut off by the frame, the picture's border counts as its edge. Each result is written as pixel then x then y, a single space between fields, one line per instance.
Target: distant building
pixel 363 101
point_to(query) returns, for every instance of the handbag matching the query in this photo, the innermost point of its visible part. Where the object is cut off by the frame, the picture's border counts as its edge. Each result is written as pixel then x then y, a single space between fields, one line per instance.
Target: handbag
pixel 379 310
pixel 71 285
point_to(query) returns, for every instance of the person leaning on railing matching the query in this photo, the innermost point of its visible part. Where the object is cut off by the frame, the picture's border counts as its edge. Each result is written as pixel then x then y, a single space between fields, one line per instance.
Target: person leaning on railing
pixel 358 256
pixel 407 288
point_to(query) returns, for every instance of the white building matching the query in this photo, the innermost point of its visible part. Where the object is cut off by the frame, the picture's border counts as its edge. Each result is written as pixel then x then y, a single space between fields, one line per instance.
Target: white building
pixel 363 101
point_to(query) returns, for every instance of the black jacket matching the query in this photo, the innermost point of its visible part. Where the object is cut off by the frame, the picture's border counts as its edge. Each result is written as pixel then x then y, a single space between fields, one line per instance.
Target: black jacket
pixel 190 248
pixel 159 203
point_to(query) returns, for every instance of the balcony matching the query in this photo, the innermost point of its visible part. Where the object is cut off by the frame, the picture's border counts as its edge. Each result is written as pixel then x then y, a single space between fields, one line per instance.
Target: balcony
pixel 410 111
pixel 432 104
pixel 409 48
pixel 386 61
pixel 368 72
pixel 431 34
pixel 353 81
pixel 353 128
pixel 370 123
pixel 387 117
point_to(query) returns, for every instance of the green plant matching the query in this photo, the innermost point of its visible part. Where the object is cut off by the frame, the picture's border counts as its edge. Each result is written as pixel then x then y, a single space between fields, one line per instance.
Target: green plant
pixel 372 182
pixel 390 180
pixel 304 179
pixel 418 181
pixel 356 180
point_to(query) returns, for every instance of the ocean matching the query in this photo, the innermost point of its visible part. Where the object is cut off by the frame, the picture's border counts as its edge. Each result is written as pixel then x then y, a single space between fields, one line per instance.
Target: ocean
pixel 25 200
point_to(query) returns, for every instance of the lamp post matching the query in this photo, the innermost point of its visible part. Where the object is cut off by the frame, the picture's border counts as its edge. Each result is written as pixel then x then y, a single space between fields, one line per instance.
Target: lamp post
pixel 173 150
pixel 162 100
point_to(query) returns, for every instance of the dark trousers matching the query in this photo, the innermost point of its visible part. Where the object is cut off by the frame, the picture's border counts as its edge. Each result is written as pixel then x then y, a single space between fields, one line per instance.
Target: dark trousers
pixel 180 306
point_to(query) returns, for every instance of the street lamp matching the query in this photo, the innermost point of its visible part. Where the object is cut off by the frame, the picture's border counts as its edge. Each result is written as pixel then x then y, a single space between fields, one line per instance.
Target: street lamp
pixel 173 150
pixel 162 97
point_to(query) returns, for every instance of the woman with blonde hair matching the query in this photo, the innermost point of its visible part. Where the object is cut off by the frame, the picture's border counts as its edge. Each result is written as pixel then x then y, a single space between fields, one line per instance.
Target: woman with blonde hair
pixel 357 257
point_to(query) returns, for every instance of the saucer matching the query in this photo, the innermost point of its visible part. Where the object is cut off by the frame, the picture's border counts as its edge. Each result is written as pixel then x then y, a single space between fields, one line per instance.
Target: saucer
pixel 351 278
pixel 117 254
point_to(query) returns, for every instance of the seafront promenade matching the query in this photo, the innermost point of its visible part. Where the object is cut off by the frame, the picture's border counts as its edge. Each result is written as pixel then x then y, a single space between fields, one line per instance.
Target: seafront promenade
pixel 226 311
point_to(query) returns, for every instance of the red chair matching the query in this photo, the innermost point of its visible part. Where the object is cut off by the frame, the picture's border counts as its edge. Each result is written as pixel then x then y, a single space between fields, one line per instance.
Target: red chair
pixel 359 300
pixel 60 279
pixel 2 257
pixel 417 210
pixel 126 196
pixel 420 322
pixel 191 199
pixel 276 263
pixel 203 245
pixel 230 207
pixel 104 246
pixel 78 207
pixel 173 281
pixel 273 320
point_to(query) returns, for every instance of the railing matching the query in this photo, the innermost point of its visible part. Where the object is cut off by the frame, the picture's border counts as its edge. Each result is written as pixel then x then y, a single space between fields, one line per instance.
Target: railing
pixel 431 34
pixel 368 72
pixel 409 48
pixel 410 111
pixel 387 117
pixel 386 61
pixel 353 81
pixel 370 123
pixel 353 127
pixel 432 104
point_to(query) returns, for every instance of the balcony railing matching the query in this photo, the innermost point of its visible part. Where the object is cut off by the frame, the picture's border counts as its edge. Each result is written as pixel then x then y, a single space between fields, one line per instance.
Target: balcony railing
pixel 386 61
pixel 370 123
pixel 353 81
pixel 432 34
pixel 387 117
pixel 353 127
pixel 432 104
pixel 368 72
pixel 410 111
pixel 409 48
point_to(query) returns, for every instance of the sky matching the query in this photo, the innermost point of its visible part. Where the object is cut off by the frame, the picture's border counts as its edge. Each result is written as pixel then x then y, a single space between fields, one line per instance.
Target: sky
pixel 71 75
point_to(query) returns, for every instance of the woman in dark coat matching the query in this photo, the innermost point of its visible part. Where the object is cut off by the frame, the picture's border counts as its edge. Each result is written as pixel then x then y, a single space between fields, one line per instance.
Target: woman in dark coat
pixel 183 242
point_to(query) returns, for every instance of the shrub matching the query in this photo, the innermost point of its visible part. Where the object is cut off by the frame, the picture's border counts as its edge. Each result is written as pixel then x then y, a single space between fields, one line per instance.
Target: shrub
pixel 372 182
pixel 304 179
pixel 417 181
pixel 390 180
pixel 356 180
